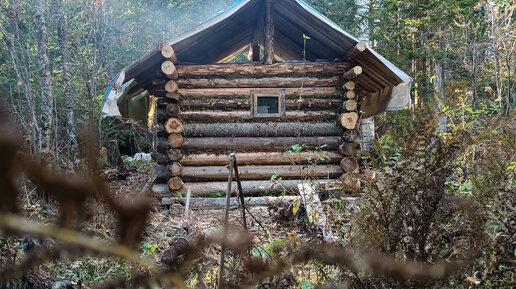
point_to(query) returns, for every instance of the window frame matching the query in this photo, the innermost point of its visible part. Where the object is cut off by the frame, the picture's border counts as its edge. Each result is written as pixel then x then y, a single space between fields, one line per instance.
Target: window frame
pixel 255 94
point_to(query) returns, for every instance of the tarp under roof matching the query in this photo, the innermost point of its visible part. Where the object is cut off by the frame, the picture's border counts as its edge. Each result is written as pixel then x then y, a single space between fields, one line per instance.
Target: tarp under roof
pixel 242 23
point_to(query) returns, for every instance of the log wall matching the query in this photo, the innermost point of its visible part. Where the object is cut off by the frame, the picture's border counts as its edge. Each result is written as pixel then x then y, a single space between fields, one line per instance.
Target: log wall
pixel 204 113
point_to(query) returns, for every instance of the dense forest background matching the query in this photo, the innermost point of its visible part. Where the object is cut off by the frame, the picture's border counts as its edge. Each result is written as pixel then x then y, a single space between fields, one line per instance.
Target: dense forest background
pixel 444 190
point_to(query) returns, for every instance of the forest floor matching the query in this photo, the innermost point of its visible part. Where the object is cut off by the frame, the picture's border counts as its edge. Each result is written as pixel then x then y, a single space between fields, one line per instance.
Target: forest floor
pixel 275 224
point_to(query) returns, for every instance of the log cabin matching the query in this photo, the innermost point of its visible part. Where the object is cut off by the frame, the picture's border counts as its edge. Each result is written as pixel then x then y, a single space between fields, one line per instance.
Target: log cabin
pixel 305 82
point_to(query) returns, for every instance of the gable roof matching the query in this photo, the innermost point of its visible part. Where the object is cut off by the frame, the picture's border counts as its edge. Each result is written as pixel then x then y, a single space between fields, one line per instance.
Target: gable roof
pixel 241 23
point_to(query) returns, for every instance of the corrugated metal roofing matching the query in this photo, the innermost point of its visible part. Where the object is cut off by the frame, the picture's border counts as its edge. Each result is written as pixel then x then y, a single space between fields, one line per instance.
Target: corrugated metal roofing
pixel 241 23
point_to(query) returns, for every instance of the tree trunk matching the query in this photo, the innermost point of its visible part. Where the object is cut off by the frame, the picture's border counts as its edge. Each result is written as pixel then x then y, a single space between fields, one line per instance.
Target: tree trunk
pixel 258 143
pixel 62 37
pixel 268 129
pixel 45 79
pixel 250 69
pixel 269 34
pixel 262 158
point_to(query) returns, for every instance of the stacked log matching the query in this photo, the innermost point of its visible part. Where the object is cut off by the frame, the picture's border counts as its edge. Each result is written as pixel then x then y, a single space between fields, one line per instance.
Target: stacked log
pixel 169 139
pixel 204 113
pixel 348 119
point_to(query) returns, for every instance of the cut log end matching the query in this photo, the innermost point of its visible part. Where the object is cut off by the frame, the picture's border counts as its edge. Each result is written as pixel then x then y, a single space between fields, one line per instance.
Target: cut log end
pixel 176 140
pixel 348 105
pixel 348 120
pixel 171 86
pixel 169 69
pixel 173 125
pixel 353 72
pixel 168 52
pixel 175 184
pixel 174 154
pixel 349 85
pixel 173 109
pixel 174 169
pixel 349 165
pixel 350 94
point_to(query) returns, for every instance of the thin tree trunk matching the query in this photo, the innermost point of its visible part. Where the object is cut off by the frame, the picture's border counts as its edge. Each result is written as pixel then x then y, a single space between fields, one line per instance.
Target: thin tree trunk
pixel 62 36
pixel 45 80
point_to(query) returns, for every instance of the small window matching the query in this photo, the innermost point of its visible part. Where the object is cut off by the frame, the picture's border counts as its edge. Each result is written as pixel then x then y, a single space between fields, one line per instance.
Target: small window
pixel 268 103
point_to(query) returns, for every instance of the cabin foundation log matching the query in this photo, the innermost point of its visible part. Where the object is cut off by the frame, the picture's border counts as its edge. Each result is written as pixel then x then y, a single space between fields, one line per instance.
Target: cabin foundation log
pixel 203 189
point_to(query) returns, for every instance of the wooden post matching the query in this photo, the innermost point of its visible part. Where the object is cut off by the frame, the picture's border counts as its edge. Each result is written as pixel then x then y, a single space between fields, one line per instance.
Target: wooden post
pixel 187 207
pixel 226 217
pixel 240 195
pixel 256 52
pixel 269 34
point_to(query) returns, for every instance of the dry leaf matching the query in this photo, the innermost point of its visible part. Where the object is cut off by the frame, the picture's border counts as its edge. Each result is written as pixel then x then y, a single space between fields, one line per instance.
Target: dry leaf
pixel 473 280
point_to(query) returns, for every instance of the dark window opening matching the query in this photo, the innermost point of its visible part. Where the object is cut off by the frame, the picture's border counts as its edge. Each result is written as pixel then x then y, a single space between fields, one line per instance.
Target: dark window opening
pixel 268 103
